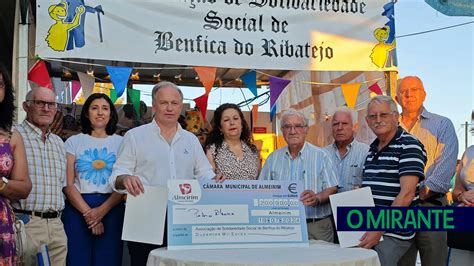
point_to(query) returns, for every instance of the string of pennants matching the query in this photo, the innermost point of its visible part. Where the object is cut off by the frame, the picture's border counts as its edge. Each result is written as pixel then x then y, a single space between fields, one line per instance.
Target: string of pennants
pixel 207 75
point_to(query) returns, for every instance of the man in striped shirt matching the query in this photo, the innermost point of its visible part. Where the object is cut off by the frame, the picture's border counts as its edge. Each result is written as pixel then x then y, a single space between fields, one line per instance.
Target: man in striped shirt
pixel 303 161
pixel 393 169
pixel 439 138
pixel 347 153
pixel 46 156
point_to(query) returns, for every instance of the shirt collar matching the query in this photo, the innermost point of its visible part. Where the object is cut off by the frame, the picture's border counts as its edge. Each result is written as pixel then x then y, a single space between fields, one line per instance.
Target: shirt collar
pixel 349 146
pixel 423 115
pixel 300 153
pixel 375 143
pixel 34 129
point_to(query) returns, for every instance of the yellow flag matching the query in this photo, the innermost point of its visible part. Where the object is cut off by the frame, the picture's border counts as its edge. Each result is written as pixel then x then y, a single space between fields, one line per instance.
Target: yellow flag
pixel 350 93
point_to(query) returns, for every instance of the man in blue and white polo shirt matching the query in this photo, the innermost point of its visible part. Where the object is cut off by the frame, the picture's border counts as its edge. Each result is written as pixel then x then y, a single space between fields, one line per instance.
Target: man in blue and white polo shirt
pixel 393 170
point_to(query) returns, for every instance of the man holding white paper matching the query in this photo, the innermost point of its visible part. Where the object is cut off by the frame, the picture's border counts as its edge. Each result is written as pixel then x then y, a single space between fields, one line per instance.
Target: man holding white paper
pixel 152 154
pixel 301 160
pixel 393 169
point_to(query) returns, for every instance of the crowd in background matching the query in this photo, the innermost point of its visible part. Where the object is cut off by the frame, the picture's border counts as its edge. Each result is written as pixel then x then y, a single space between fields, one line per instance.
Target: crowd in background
pixel 70 195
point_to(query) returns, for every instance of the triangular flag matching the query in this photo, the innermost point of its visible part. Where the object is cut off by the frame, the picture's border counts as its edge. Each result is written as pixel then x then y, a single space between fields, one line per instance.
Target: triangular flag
pixel 350 93
pixel 134 96
pixel 207 76
pixel 277 85
pixel 375 88
pixel 76 86
pixel 201 103
pixel 254 114
pixel 113 95
pixel 39 75
pixel 250 80
pixel 119 77
pixel 87 83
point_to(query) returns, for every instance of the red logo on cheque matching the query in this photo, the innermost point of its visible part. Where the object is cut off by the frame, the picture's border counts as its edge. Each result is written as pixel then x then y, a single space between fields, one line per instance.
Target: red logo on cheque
pixel 185 188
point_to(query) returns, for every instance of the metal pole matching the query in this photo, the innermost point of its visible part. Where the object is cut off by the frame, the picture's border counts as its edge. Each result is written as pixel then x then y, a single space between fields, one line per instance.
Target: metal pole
pixel 466 134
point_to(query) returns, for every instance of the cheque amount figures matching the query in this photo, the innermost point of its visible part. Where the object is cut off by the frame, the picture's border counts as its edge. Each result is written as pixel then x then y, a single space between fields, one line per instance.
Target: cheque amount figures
pixel 276 202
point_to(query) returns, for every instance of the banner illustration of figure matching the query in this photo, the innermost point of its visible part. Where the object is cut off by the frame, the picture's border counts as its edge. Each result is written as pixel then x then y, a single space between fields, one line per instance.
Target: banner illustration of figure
pixel 77 36
pixel 384 53
pixel 58 32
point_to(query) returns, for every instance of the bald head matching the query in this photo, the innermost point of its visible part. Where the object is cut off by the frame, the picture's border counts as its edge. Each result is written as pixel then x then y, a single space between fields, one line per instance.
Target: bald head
pixel 411 94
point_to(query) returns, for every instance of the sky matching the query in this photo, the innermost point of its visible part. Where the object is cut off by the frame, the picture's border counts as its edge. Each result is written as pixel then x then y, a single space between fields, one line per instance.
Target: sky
pixel 442 59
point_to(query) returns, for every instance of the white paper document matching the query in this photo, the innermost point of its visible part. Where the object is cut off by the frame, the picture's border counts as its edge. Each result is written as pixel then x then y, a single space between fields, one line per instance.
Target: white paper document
pixel 144 219
pixel 359 197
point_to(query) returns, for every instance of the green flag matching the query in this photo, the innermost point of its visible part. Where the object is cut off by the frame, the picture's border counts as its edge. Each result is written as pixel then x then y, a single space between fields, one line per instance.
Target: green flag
pixel 134 96
pixel 113 95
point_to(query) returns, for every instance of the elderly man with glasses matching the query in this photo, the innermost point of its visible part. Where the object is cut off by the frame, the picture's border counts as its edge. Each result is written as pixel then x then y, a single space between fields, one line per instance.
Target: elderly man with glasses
pixel 312 165
pixel 46 155
pixel 393 169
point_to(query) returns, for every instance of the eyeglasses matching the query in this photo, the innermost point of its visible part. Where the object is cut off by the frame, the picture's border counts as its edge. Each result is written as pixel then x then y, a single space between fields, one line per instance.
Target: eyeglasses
pixel 42 104
pixel 381 115
pixel 295 127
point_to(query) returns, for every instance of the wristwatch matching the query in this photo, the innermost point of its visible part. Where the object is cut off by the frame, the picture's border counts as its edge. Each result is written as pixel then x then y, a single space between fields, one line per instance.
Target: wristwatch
pixel 4 183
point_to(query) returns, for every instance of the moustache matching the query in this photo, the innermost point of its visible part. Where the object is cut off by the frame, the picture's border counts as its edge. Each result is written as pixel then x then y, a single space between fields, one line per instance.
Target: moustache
pixel 381 123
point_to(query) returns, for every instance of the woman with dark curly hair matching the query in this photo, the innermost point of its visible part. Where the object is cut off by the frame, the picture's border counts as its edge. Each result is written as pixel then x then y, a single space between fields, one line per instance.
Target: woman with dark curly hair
pixel 14 181
pixel 229 146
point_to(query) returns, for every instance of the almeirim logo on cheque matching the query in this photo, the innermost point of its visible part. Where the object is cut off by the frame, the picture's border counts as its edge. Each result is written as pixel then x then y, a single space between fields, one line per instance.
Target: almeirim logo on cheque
pixel 184 194
pixel 185 188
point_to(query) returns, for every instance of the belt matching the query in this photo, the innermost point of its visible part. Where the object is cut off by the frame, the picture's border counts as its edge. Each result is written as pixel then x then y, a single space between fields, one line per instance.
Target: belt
pixel 45 215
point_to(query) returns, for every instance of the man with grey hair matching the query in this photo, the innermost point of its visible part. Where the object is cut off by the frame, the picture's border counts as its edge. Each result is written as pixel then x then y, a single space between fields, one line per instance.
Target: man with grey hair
pixel 303 161
pixel 347 153
pixel 393 169
pixel 156 152
pixel 46 155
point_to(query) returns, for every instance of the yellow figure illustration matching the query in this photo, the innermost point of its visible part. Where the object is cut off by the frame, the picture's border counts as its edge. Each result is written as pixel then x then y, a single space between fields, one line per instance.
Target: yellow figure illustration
pixel 58 33
pixel 381 51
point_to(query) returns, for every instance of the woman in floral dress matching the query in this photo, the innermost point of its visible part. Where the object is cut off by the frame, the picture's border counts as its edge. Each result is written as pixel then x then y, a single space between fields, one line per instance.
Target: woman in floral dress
pixel 93 215
pixel 14 181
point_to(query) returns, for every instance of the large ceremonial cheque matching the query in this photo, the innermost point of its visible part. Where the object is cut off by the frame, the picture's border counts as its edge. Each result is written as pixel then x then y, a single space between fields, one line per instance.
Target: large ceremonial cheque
pixel 260 34
pixel 235 214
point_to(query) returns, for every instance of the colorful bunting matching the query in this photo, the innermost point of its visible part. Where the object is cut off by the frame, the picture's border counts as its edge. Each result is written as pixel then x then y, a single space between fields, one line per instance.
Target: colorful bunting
pixel 375 88
pixel 39 75
pixel 277 85
pixel 201 103
pixel 134 96
pixel 76 86
pixel 207 76
pixel 119 77
pixel 87 83
pixel 350 93
pixel 113 95
pixel 254 114
pixel 250 80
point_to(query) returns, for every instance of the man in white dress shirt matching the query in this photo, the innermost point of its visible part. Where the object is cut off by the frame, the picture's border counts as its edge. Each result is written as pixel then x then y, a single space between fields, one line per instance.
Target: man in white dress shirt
pixel 156 152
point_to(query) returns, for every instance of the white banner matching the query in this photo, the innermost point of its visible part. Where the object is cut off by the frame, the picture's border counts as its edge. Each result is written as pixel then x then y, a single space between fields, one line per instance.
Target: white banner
pixel 251 34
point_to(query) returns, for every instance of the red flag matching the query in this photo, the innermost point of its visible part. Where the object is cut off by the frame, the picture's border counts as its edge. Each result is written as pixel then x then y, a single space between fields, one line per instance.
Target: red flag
pixel 39 75
pixel 207 76
pixel 375 88
pixel 201 103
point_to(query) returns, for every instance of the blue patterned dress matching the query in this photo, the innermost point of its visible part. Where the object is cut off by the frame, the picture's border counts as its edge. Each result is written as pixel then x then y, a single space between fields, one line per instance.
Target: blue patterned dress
pixel 7 236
